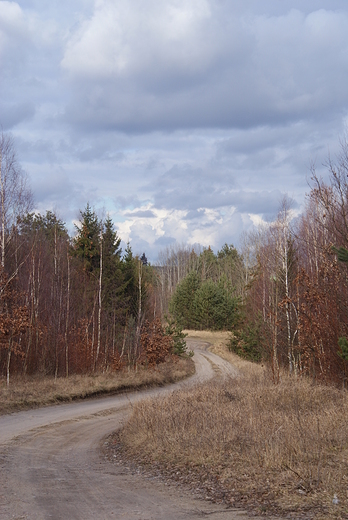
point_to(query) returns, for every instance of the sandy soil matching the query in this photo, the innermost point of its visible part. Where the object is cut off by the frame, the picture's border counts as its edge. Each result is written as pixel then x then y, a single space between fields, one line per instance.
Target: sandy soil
pixel 51 463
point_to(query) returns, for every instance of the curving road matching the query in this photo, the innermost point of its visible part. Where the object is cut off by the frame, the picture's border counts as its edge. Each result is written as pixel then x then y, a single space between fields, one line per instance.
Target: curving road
pixel 51 465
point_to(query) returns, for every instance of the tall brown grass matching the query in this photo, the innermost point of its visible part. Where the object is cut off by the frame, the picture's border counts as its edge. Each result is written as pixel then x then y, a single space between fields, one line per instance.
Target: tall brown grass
pixel 277 447
pixel 31 392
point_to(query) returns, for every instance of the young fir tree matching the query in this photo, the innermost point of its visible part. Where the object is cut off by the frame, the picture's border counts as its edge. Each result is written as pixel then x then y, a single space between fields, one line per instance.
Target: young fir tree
pixel 86 243
pixel 113 284
pixel 182 303
pixel 129 270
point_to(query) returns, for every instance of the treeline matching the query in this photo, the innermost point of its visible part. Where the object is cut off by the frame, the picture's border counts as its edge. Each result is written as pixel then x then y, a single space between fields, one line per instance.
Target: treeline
pixel 81 304
pixel 209 296
pixel 284 295
pixel 296 310
pixel 71 305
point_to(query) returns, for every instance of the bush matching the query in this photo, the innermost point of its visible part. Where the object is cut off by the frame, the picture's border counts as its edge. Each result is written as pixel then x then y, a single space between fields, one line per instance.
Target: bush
pixel 247 342
pixel 174 331
pixel 156 345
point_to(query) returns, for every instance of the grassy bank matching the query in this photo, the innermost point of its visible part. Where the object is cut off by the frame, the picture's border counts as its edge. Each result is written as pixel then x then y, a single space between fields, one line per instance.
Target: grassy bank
pixel 274 448
pixel 32 392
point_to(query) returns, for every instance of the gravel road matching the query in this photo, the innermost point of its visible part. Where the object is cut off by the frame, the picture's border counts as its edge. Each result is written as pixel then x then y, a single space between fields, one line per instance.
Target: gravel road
pixel 51 465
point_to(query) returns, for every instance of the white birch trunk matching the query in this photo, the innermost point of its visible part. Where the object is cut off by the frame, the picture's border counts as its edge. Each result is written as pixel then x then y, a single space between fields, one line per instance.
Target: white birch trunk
pixel 100 296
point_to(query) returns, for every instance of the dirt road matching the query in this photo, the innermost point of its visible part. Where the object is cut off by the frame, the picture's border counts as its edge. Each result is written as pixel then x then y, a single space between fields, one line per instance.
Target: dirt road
pixel 51 465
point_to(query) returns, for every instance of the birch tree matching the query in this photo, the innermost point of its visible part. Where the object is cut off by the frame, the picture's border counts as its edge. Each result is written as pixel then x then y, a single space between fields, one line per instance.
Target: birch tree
pixel 15 196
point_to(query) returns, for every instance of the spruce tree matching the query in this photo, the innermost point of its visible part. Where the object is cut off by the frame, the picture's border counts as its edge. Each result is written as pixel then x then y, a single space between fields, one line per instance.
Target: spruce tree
pixel 86 243
pixel 113 284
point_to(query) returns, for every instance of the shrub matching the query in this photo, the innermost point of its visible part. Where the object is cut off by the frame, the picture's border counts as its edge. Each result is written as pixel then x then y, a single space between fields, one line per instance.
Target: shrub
pixel 174 331
pixel 247 342
pixel 156 345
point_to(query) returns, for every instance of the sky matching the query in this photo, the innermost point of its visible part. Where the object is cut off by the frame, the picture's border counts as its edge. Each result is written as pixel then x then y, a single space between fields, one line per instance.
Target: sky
pixel 186 120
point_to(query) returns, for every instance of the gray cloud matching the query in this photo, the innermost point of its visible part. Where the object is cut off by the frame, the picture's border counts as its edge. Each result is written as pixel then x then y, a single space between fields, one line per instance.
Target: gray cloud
pixel 11 115
pixel 126 202
pixel 192 190
pixel 191 113
pixel 162 243
pixel 56 191
pixel 227 70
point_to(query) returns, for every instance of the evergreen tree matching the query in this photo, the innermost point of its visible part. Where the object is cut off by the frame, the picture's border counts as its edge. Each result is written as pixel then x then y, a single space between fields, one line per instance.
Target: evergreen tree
pixel 182 302
pixel 143 259
pixel 204 304
pixel 86 243
pixel 215 308
pixel 50 225
pixel 112 272
pixel 129 270
pixel 207 264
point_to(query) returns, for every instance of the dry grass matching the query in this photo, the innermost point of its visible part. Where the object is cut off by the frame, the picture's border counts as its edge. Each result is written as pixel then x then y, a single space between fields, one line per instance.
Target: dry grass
pixel 280 448
pixel 31 392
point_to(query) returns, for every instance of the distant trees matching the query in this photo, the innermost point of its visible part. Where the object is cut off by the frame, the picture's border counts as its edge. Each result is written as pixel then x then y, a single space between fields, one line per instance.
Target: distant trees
pixel 269 308
pixel 295 307
pixel 173 264
pixel 182 304
pixel 77 305
pixel 208 297
pixel 72 305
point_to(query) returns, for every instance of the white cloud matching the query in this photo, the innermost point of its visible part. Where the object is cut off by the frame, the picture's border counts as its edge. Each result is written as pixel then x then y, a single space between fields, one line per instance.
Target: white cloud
pixel 11 17
pixel 186 119
pixel 189 64
pixel 123 38
pixel 208 228
pixel 13 29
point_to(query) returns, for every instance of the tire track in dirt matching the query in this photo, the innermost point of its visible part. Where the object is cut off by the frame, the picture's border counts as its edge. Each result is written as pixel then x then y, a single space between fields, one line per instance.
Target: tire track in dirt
pixel 51 466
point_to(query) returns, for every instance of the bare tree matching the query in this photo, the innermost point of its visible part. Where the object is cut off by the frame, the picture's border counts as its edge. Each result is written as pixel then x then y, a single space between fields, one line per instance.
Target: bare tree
pixel 285 255
pixel 15 196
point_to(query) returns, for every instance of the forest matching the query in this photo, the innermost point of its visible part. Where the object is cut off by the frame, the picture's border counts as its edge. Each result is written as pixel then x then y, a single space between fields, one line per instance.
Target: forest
pixel 75 305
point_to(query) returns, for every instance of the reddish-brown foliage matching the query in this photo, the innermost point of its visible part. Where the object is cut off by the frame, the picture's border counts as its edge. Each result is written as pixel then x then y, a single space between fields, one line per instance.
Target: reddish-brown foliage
pixel 156 346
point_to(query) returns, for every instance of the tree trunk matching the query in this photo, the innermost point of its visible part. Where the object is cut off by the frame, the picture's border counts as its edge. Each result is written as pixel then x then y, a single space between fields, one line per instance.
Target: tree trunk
pixel 137 339
pixel 67 320
pixel 100 296
pixel 9 352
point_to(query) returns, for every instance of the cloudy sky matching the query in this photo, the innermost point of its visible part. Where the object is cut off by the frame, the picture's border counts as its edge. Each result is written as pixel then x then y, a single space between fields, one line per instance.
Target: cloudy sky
pixel 186 120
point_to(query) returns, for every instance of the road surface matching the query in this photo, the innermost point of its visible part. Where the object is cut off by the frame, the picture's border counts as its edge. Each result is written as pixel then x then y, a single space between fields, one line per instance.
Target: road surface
pixel 51 465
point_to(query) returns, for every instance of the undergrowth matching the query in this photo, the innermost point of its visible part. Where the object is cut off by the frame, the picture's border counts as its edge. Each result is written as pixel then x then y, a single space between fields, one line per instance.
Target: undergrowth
pixel 280 448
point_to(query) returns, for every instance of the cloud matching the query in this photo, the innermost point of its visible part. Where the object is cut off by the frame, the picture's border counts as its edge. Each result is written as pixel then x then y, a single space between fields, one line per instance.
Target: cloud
pixel 11 22
pixel 55 190
pixel 140 213
pixel 196 64
pixel 193 190
pixel 124 39
pixel 15 40
pixel 154 229
pixel 187 120
pixel 12 114
pixel 126 202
